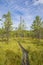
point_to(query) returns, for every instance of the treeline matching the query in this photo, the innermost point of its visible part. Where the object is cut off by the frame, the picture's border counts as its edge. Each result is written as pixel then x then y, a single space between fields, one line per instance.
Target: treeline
pixel 6 31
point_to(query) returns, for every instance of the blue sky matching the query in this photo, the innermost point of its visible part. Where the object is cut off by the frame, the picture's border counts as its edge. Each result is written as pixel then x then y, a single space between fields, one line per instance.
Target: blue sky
pixel 28 9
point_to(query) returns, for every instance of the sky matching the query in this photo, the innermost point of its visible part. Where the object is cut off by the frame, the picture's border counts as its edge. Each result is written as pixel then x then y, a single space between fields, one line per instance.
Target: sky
pixel 28 9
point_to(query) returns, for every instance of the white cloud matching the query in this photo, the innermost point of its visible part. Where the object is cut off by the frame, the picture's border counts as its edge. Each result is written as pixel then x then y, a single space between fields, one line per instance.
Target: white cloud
pixel 13 6
pixel 26 16
pixel 28 19
pixel 36 2
pixel 26 3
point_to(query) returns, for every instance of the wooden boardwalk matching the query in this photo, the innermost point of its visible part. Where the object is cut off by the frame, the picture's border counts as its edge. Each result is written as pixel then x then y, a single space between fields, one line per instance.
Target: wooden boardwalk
pixel 25 60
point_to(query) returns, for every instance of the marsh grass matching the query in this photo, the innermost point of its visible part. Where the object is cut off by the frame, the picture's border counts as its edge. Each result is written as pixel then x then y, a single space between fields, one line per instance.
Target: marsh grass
pixel 11 54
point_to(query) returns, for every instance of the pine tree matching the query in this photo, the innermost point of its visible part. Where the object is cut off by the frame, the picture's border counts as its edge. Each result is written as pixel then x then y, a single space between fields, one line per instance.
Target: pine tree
pixel 7 25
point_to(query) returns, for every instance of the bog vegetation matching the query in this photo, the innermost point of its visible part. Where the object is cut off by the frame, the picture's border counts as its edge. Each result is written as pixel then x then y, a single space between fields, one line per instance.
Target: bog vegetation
pixel 31 40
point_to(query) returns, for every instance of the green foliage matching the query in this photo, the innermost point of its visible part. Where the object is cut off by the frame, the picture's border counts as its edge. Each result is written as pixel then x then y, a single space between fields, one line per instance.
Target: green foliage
pixel 22 25
pixel 11 53
pixel 36 58
pixel 8 22
pixel 36 27
pixel 7 25
pixel 2 56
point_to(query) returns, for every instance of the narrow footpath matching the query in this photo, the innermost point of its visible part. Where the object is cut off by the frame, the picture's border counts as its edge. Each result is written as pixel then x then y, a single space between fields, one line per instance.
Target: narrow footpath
pixel 25 60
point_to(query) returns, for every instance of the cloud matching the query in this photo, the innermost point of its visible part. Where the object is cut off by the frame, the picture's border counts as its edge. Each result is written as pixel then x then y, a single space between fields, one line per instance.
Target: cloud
pixel 26 3
pixel 17 9
pixel 37 2
pixel 28 20
pixel 25 14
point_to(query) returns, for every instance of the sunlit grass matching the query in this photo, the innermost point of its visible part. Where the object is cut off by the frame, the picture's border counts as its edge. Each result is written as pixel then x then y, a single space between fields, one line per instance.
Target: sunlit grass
pixel 14 50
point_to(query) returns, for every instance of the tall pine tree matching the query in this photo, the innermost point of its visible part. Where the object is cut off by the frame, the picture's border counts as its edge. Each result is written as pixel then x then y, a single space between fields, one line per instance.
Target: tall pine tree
pixel 7 25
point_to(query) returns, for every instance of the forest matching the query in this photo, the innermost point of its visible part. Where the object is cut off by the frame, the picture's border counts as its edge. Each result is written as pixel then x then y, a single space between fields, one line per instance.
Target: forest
pixel 20 46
